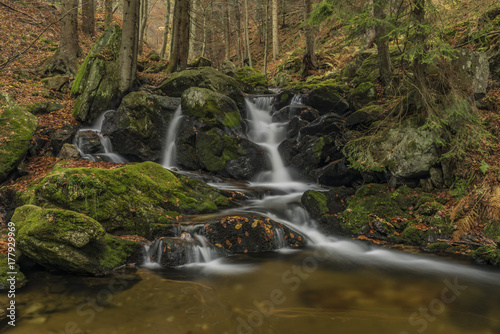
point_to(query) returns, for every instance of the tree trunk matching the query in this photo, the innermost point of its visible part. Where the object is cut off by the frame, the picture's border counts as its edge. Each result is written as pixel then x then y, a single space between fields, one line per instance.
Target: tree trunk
pixel 180 41
pixel 88 16
pixel 238 33
pixel 247 37
pixel 419 39
pixel 283 14
pixel 129 45
pixel 166 31
pixel 227 32
pixel 144 20
pixel 108 12
pixel 204 43
pixel 309 61
pixel 192 29
pixel 266 42
pixel 276 49
pixel 382 42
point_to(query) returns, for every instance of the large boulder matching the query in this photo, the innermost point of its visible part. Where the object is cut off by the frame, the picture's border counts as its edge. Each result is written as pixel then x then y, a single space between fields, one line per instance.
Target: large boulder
pixel 409 151
pixel 474 70
pixel 133 199
pixel 137 128
pixel 328 98
pixel 96 84
pixel 205 77
pixel 17 127
pixel 69 241
pixel 254 78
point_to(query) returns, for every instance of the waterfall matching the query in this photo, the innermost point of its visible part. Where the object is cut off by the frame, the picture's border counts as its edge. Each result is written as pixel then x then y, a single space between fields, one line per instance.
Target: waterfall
pixel 297 99
pixel 169 155
pixel 105 142
pixel 268 135
pixel 203 252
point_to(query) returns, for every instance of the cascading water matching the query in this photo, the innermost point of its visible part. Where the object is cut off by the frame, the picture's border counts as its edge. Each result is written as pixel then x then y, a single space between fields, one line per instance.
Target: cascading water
pixel 297 99
pixel 169 155
pixel 269 136
pixel 104 140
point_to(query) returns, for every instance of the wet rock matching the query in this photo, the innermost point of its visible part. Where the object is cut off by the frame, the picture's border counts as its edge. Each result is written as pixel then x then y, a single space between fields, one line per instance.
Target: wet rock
pixel 294 126
pixel 96 84
pixel 249 165
pixel 336 174
pixel 327 99
pixel 69 241
pixel 137 128
pixel 288 150
pixel 69 152
pixel 5 282
pixel 287 113
pixel 325 125
pixel 89 142
pixel 65 135
pixel 253 234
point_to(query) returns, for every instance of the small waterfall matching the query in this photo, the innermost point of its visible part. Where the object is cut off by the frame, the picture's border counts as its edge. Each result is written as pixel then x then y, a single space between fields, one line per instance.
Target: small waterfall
pixel 147 257
pixel 203 252
pixel 268 135
pixel 105 142
pixel 169 155
pixel 297 99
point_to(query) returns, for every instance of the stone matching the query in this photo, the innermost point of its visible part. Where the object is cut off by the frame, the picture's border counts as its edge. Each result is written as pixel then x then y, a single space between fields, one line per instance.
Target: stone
pixel 96 85
pixel 228 68
pixel 327 99
pixel 17 128
pixel 336 174
pixel 58 83
pixel 69 241
pixel 287 113
pixel 69 152
pixel 89 142
pixel 44 107
pixel 473 68
pixel 134 199
pixel 183 250
pixel 436 177
pixel 328 124
pixel 201 62
pixel 138 127
pixel 363 94
pixel 254 79
pixel 65 135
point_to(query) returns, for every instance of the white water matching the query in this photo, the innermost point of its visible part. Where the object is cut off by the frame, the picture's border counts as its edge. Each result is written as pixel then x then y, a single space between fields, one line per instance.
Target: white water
pixel 147 257
pixel 297 99
pixel 269 136
pixel 169 155
pixel 105 142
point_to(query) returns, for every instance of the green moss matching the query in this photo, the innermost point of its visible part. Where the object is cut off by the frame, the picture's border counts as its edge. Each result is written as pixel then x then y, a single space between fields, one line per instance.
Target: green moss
pixel 215 148
pixel 487 254
pixel 315 203
pixel 492 231
pixel 429 208
pixel 4 269
pixel 413 236
pixel 437 247
pixel 117 252
pixel 16 130
pixel 252 77
pixel 126 199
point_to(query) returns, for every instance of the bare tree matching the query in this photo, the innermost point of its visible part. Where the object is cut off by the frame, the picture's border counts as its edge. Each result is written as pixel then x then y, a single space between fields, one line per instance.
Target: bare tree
pixel 166 31
pixel 180 36
pixel 247 37
pixel 108 12
pixel 309 61
pixel 276 48
pixel 143 18
pixel 227 31
pixel 88 16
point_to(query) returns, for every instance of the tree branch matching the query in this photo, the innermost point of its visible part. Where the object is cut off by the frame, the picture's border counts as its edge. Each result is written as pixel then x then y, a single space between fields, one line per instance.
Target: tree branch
pixel 17 11
pixel 474 39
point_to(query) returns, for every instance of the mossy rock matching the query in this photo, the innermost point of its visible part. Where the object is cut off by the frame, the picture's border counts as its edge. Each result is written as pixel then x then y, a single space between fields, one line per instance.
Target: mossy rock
pixel 373 202
pixel 201 62
pixel 96 84
pixel 205 77
pixel 17 127
pixel 492 231
pixel 69 241
pixel 315 203
pixel 328 98
pixel 20 279
pixel 137 128
pixel 253 78
pixel 127 199
pixel 208 106
pixel 362 95
pixel 487 255
pixel 413 236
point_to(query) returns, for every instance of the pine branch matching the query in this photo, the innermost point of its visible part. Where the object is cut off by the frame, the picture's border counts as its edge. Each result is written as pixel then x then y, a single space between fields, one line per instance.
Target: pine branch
pixel 475 39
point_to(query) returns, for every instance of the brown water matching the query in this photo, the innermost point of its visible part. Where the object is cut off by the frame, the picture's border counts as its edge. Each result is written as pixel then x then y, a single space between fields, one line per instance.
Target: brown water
pixel 300 292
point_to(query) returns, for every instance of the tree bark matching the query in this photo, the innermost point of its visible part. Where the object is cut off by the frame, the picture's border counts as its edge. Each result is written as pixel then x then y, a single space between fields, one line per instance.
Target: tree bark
pixel 382 42
pixel 276 49
pixel 309 61
pixel 239 52
pixel 108 12
pixel 143 23
pixel 192 29
pixel 204 43
pixel 129 45
pixel 166 31
pixel 419 39
pixel 179 56
pixel 247 37
pixel 227 32
pixel 266 40
pixel 88 16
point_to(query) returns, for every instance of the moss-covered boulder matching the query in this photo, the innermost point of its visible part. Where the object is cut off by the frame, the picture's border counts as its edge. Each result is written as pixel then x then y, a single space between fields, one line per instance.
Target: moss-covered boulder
pixel 6 279
pixel 328 98
pixel 205 77
pixel 207 106
pixel 133 199
pixel 201 62
pixel 69 241
pixel 137 128
pixel 253 78
pixel 487 255
pixel 363 94
pixel 17 127
pixel 96 84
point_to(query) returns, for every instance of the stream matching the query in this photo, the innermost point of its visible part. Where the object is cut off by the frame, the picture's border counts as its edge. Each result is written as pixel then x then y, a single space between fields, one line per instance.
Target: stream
pixel 334 285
